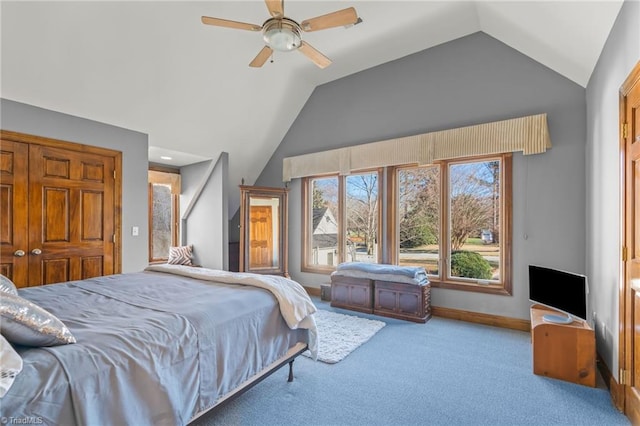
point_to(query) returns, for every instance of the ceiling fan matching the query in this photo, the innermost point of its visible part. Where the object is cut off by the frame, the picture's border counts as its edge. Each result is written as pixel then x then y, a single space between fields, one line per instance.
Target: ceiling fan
pixel 283 34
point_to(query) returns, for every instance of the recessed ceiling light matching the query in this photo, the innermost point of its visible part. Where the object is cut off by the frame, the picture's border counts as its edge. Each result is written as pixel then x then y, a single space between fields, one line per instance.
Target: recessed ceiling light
pixel 165 157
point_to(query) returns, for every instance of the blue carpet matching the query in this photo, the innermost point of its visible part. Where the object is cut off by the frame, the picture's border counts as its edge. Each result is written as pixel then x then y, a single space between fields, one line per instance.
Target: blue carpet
pixel 444 372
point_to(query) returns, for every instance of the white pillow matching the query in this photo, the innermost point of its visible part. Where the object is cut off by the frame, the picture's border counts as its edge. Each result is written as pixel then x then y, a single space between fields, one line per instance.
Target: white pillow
pixel 25 323
pixel 10 365
pixel 180 255
pixel 7 285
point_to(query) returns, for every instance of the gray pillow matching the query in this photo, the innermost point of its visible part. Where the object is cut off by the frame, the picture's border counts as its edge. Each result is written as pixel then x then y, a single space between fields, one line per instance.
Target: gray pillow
pixel 7 286
pixel 25 323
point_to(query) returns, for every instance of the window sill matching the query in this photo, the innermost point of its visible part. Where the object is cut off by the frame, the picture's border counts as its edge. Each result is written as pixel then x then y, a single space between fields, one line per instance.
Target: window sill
pixel 498 289
pixel 317 270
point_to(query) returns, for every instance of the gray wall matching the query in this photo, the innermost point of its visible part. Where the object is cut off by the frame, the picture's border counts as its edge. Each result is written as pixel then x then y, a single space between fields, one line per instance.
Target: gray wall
pixel 619 56
pixel 471 80
pixel 32 120
pixel 206 226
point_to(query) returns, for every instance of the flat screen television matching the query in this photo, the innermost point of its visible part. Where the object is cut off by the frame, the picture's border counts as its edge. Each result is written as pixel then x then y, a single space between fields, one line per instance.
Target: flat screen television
pixel 560 290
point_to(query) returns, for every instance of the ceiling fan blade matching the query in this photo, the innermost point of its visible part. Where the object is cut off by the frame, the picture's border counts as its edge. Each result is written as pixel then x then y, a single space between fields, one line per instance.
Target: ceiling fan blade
pixel 318 58
pixel 218 22
pixel 339 18
pixel 262 57
pixel 276 7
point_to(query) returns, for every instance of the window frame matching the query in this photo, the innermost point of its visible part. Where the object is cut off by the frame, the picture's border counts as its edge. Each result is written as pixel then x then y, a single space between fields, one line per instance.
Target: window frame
pixel 307 220
pixel 175 207
pixel 443 280
pixel 388 231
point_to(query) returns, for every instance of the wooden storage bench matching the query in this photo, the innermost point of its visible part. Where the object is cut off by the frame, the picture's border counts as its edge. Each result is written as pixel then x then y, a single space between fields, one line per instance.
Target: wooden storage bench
pixel 395 299
pixel 401 300
pixel 352 293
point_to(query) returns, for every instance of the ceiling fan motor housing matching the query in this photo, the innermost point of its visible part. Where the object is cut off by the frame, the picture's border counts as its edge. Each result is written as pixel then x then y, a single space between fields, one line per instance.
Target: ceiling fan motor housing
pixel 282 34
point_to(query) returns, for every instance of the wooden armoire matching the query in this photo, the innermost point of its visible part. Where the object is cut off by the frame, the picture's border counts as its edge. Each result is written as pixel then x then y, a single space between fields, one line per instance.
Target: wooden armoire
pixel 60 206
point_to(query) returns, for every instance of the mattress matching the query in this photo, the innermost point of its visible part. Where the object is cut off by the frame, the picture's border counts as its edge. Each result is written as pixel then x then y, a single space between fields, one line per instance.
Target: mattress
pixel 152 349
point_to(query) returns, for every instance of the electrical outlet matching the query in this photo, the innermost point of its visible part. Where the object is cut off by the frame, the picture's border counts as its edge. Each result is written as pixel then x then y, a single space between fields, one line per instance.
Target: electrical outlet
pixel 604 330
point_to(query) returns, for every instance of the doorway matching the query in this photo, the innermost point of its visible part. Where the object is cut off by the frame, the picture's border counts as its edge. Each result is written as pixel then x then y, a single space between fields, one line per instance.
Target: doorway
pixel 629 357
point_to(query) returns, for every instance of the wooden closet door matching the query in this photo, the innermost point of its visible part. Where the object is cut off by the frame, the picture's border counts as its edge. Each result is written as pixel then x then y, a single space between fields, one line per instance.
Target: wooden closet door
pixel 71 219
pixel 14 241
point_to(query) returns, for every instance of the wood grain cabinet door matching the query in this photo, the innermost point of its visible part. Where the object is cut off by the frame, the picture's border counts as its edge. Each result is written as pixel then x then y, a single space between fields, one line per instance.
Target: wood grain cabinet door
pixel 71 218
pixel 14 241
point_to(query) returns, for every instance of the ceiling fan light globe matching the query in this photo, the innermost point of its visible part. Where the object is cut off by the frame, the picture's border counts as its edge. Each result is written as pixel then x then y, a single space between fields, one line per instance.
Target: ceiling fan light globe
pixel 282 39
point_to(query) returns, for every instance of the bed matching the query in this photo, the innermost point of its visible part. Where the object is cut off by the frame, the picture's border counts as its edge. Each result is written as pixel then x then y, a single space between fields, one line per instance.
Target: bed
pixel 158 347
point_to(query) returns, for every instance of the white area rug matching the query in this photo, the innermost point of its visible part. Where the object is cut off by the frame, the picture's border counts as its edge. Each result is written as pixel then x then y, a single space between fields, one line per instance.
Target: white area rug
pixel 339 334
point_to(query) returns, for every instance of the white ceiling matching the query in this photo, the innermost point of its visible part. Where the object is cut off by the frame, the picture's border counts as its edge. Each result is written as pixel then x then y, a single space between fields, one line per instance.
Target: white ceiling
pixel 152 66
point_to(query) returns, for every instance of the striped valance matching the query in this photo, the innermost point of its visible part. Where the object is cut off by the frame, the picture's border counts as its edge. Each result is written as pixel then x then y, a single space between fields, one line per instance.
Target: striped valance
pixel 527 134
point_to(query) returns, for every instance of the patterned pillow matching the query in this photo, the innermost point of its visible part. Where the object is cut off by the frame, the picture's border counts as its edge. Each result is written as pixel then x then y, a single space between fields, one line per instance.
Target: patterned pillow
pixel 180 255
pixel 25 323
pixel 7 285
pixel 10 365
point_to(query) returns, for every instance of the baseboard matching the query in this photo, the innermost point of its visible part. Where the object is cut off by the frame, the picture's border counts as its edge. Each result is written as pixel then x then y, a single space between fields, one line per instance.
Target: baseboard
pixel 616 390
pixel 457 314
pixel 313 291
pixel 479 318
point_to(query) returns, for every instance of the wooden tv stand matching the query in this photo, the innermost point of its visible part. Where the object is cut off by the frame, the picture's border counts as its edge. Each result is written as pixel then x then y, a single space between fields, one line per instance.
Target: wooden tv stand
pixel 563 351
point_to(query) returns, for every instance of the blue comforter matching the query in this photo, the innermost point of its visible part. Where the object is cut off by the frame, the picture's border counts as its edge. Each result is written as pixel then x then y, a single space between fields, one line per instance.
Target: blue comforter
pixel 152 349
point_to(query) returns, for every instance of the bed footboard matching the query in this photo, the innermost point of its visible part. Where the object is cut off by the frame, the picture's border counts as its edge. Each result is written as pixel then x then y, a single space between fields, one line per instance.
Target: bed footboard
pixel 288 358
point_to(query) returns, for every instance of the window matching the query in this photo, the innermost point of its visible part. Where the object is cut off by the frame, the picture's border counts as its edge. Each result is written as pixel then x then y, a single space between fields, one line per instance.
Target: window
pixel 418 212
pixel 361 205
pixel 342 220
pixel 323 244
pixel 453 218
pixel 164 190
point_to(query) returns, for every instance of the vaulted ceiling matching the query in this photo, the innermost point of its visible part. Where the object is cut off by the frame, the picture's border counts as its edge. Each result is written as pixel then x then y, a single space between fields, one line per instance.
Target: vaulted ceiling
pixel 152 66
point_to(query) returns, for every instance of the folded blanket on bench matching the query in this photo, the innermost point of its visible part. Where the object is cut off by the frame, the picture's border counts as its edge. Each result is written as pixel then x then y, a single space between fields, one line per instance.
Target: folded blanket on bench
pixel 383 272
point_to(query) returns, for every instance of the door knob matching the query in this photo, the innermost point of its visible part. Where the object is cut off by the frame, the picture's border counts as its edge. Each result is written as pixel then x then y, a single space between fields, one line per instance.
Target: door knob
pixel 18 253
pixel 36 251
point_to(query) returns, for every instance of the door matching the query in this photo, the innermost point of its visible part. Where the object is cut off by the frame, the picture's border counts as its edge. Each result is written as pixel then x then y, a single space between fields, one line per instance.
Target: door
pixel 630 147
pixel 14 240
pixel 58 210
pixel 70 230
pixel 260 237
